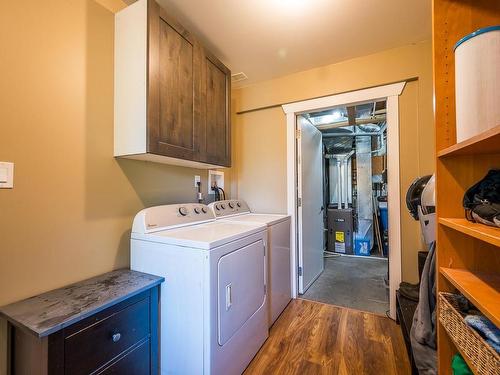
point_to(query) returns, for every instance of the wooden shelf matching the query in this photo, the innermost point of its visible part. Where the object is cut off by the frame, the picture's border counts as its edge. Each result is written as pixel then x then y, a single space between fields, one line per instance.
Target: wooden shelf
pixel 487 142
pixel 480 231
pixel 459 242
pixel 482 290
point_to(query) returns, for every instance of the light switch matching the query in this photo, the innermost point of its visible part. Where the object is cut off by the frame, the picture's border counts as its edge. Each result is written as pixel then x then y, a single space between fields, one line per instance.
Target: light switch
pixel 6 175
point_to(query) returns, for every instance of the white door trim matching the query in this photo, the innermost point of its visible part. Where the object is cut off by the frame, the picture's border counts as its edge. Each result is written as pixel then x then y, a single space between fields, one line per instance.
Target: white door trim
pixel 391 93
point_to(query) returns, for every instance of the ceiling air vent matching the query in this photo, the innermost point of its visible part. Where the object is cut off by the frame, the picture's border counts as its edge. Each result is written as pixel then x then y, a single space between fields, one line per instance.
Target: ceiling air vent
pixel 238 77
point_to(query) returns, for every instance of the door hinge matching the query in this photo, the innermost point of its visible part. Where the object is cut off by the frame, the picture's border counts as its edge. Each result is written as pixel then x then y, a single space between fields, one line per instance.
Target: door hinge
pixel 300 271
pixel 298 133
pixel 299 202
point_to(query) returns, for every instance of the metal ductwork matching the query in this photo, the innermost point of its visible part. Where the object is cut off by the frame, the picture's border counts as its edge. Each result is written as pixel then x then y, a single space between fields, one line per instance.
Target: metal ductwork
pixel 360 121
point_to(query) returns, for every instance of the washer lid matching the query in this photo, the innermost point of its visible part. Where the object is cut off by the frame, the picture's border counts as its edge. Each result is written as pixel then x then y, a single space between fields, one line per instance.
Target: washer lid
pixel 202 236
pixel 268 219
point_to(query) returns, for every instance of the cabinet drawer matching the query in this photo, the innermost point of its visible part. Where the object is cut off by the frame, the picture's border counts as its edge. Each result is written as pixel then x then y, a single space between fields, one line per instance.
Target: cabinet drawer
pixel 136 362
pixel 95 345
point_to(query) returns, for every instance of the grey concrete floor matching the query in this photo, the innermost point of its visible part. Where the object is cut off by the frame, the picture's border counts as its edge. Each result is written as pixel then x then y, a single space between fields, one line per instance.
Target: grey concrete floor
pixel 354 282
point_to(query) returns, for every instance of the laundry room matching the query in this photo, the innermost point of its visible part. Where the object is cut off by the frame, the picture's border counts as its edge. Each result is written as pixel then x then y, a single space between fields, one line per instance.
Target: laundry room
pixel 195 187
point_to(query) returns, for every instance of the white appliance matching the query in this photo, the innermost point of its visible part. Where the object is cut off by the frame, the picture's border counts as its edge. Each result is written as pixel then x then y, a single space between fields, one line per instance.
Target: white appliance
pixel 213 300
pixel 278 257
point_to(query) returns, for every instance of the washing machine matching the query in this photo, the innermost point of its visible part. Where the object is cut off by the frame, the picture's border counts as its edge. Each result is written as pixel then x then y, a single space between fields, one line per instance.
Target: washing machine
pixel 279 273
pixel 213 300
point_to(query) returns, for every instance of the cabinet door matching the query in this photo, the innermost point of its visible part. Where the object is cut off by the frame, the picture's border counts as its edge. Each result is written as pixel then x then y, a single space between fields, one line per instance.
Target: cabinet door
pixel 174 80
pixel 216 111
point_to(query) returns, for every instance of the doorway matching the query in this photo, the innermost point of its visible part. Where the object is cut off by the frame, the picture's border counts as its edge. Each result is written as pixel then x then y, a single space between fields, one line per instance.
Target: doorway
pixel 342 169
pixel 307 203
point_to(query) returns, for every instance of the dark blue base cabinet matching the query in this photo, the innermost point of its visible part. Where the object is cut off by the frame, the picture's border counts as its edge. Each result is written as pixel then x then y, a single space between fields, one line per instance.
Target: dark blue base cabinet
pixel 122 339
pixel 104 325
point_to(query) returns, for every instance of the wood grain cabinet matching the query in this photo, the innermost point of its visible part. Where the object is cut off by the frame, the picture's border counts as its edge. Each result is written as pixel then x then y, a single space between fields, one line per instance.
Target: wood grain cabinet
pixel 172 96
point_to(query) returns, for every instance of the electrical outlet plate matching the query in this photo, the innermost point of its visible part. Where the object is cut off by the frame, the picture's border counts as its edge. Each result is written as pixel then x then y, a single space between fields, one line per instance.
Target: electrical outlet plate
pixel 215 177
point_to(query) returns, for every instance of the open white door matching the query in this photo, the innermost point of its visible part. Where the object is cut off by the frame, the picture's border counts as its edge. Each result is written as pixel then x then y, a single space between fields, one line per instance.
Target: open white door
pixel 310 207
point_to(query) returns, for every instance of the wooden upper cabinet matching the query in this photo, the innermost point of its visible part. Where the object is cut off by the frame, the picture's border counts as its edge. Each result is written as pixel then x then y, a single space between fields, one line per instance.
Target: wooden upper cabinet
pixel 171 95
pixel 217 116
pixel 174 87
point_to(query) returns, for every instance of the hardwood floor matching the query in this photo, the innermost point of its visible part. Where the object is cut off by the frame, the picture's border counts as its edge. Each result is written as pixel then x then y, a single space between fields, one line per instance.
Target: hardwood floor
pixel 315 338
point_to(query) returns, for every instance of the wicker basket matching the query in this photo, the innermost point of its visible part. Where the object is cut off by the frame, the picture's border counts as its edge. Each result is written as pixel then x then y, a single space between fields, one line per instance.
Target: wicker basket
pixel 480 356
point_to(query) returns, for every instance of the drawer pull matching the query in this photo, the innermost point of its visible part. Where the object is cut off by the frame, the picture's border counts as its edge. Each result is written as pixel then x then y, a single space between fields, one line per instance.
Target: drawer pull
pixel 116 337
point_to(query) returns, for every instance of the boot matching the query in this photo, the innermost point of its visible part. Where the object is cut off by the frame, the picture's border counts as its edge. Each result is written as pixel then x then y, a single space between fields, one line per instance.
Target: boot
pixel 410 291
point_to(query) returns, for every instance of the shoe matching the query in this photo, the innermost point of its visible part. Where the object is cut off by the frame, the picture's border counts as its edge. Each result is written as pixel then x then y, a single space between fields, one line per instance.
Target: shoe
pixel 488 214
pixel 409 285
pixel 410 291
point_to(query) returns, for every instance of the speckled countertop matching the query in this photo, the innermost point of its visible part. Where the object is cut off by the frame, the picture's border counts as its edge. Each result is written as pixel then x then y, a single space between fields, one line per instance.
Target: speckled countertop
pixel 52 311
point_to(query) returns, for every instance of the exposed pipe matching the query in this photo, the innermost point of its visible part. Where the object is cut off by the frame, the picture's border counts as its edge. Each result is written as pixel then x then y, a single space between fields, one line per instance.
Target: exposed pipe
pixel 347 179
pixel 382 141
pixel 356 134
pixel 359 121
pixel 346 183
pixel 339 183
pixel 342 177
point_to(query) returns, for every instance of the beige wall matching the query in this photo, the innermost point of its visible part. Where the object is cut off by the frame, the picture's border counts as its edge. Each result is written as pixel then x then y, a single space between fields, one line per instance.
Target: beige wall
pixel 70 212
pixel 260 141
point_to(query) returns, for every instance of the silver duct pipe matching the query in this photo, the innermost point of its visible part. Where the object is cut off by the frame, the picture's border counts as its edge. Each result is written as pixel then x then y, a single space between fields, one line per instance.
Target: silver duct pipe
pixel 381 149
pixel 346 182
pixel 347 179
pixel 359 121
pixel 343 179
pixel 364 186
pixel 339 182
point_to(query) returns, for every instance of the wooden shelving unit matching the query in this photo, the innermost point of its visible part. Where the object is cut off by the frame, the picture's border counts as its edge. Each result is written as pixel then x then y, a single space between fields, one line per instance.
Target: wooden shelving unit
pixel 468 254
pixel 482 290
pixel 481 232
pixel 484 143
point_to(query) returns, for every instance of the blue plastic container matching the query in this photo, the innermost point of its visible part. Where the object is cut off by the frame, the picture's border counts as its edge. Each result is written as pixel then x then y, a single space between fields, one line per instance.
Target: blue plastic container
pixel 384 217
pixel 362 246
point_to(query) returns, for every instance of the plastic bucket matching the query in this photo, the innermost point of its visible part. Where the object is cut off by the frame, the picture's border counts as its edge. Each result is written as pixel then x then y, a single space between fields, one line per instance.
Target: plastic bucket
pixel 477 82
pixel 384 217
pixel 362 246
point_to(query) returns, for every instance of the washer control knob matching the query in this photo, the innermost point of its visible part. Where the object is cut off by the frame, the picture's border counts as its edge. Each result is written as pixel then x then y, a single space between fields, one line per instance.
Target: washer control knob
pixel 223 206
pixel 183 211
pixel 217 207
pixel 231 205
pixel 204 210
pixel 238 204
pixel 196 210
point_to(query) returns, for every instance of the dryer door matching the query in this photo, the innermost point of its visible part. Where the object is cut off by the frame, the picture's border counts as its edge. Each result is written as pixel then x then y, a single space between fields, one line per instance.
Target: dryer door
pixel 241 288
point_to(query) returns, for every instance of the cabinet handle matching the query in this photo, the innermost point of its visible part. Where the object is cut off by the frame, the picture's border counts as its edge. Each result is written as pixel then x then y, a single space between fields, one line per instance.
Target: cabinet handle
pixel 116 337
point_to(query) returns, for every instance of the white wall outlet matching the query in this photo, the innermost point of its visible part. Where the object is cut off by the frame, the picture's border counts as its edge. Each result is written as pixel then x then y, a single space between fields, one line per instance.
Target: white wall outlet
pixel 215 177
pixel 196 180
pixel 6 175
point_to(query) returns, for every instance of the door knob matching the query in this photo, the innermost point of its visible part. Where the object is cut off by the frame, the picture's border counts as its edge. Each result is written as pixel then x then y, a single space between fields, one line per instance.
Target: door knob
pixel 116 337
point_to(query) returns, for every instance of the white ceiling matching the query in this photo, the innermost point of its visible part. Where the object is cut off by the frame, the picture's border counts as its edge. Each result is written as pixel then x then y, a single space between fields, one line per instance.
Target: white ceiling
pixel 272 38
